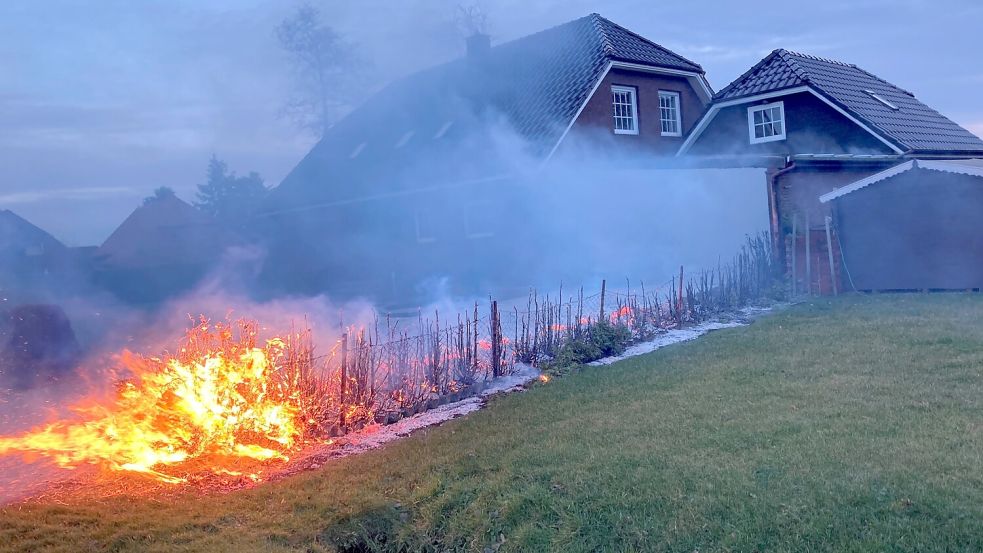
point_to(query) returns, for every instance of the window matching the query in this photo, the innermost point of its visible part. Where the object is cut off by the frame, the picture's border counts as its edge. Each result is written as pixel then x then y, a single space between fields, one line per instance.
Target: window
pixel 625 110
pixel 479 221
pixel 406 138
pixel 766 123
pixel 669 113
pixel 443 130
pixel 425 224
pixel 882 100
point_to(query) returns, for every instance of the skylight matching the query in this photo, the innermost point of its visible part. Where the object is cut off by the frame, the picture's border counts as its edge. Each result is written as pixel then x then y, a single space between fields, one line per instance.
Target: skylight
pixel 358 149
pixel 882 100
pixel 443 130
pixel 406 138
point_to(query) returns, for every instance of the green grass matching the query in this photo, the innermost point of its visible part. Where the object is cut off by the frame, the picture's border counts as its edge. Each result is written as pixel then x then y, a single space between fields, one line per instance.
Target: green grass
pixel 851 425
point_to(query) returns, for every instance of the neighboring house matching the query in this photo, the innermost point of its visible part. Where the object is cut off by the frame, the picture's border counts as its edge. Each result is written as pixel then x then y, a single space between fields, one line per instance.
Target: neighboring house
pixel 163 248
pixel 915 226
pixel 30 258
pixel 818 124
pixel 412 185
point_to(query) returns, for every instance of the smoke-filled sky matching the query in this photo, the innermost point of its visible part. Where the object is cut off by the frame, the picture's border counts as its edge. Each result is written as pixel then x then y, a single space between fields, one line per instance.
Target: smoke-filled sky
pixel 101 102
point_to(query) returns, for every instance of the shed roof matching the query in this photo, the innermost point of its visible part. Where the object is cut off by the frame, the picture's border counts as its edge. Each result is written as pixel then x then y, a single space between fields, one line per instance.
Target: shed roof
pixel 973 167
pixel 889 110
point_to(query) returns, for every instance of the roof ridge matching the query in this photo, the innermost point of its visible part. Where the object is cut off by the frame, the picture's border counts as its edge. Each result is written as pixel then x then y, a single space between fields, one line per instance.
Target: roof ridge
pixel 851 65
pixel 817 58
pixel 787 56
pixel 885 81
pixel 598 18
pixel 733 84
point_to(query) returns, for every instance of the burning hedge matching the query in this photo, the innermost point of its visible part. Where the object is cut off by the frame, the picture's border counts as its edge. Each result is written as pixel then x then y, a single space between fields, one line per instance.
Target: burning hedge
pixel 222 395
pixel 228 396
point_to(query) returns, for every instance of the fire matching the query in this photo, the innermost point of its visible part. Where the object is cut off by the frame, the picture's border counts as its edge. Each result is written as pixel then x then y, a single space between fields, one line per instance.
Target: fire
pixel 624 311
pixel 222 397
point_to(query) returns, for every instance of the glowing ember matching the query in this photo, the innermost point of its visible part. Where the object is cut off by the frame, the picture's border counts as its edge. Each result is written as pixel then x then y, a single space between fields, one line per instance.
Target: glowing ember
pixel 221 397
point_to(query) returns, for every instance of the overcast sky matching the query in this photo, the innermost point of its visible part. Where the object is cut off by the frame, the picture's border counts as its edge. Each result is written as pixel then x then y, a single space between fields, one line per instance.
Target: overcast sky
pixel 103 101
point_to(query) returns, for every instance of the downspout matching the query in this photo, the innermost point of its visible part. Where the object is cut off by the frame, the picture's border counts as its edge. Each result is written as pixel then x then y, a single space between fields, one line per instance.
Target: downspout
pixel 773 208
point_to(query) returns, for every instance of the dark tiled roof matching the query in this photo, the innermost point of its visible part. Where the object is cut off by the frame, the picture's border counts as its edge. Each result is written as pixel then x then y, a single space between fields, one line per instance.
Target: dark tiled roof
pixel 913 126
pixel 166 231
pixel 623 45
pixel 18 235
pixel 533 86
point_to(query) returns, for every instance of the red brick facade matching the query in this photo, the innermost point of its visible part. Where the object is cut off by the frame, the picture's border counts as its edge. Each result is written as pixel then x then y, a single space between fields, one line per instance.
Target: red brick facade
pixel 598 116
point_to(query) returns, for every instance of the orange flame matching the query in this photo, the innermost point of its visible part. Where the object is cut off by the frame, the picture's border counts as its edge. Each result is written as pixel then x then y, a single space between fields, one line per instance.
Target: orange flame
pixel 222 396
pixel 624 311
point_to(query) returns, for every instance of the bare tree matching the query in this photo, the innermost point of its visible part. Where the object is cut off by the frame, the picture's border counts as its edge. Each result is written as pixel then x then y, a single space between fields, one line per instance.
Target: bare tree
pixel 323 64
pixel 472 19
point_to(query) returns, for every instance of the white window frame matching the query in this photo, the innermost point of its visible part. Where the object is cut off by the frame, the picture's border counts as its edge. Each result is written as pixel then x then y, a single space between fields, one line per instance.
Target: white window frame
pixel 633 97
pixel 762 107
pixel 420 237
pixel 469 231
pixel 677 108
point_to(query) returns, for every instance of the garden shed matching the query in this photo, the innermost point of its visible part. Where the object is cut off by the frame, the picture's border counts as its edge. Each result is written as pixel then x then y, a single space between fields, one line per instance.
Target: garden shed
pixel 915 226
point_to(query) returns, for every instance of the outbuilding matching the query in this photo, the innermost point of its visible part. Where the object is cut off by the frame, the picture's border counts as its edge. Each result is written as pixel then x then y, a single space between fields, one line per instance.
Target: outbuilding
pixel 915 226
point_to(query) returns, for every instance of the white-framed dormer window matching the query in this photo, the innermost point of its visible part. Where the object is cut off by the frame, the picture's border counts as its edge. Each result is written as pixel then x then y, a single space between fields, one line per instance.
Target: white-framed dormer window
pixel 669 113
pixel 766 122
pixel 625 109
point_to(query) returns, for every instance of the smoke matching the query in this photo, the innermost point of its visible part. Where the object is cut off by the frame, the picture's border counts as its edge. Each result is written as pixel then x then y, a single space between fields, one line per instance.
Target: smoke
pixel 480 215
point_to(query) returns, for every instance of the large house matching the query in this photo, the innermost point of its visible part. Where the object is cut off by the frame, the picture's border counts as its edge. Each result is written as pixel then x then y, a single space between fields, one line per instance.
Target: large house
pixel 165 247
pixel 32 262
pixel 413 186
pixel 819 124
pixel 536 157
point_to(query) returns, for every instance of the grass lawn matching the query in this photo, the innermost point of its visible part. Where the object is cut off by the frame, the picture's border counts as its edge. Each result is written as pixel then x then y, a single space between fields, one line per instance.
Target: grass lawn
pixel 846 425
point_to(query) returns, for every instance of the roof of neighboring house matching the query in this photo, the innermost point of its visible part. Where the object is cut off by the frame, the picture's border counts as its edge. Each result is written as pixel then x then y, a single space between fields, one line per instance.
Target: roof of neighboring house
pixel 164 231
pixel 908 123
pixel 973 167
pixel 19 237
pixel 532 87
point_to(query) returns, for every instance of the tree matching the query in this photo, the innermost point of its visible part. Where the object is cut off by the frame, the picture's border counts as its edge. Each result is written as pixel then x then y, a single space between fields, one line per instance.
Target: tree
pixel 227 196
pixel 323 64
pixel 472 19
pixel 160 194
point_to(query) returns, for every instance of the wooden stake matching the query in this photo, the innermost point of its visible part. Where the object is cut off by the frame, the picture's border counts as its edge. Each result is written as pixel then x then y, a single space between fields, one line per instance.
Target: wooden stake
pixel 603 288
pixel 808 233
pixel 344 378
pixel 829 250
pixel 679 303
pixel 496 346
pixel 795 247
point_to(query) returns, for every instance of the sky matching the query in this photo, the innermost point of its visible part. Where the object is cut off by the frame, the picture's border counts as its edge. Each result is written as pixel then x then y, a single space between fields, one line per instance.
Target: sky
pixel 102 102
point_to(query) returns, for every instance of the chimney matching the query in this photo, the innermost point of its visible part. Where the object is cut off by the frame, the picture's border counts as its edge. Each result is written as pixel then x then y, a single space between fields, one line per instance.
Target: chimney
pixel 479 44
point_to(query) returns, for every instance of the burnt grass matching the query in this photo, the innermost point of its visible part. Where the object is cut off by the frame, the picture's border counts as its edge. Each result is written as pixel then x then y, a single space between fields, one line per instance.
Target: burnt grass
pixel 853 424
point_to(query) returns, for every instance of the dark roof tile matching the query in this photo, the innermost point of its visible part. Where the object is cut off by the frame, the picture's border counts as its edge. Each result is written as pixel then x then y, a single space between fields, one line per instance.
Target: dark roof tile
pixel 913 126
pixel 534 85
